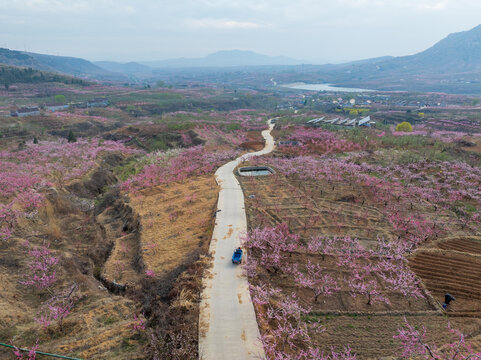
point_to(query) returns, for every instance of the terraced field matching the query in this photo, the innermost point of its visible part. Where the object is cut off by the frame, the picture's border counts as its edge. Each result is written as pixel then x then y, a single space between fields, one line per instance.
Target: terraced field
pixel 454 267
pixel 470 245
pixel 308 209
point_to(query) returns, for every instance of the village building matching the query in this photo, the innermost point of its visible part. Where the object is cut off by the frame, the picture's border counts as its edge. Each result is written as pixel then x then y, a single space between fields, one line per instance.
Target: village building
pixel 26 111
pixel 366 121
pixel 56 107
pixel 79 105
pixel 98 103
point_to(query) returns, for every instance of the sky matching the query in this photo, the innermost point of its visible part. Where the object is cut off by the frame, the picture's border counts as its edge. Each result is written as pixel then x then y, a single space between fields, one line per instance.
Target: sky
pixel 317 31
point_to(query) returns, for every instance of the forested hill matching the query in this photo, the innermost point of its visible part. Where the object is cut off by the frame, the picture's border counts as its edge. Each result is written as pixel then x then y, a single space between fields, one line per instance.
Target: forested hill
pixel 13 75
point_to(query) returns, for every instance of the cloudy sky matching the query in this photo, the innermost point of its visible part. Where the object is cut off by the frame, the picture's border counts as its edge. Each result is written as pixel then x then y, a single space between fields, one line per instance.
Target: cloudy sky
pixel 313 30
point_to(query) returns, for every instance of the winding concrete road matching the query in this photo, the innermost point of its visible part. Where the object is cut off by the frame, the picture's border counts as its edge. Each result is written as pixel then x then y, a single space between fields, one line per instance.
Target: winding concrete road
pixel 227 323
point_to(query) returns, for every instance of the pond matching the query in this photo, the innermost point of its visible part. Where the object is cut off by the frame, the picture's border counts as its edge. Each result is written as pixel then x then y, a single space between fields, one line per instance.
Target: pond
pixel 255 171
pixel 323 87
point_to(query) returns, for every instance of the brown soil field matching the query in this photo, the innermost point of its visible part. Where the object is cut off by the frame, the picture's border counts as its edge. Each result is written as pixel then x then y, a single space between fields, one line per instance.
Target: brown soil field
pixel 447 262
pixel 255 141
pixel 150 136
pixel 477 148
pixel 308 208
pixel 371 336
pixel 469 245
pixel 454 267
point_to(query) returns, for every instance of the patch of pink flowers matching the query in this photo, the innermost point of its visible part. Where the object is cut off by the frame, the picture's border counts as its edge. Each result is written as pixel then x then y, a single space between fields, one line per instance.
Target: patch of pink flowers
pixel 26 355
pixel 150 273
pixel 320 139
pixel 42 265
pixel 138 324
pixel 26 172
pixel 188 162
pixel 414 345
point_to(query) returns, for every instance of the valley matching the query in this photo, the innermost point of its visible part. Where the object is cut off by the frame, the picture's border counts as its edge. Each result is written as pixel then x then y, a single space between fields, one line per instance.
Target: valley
pixel 358 208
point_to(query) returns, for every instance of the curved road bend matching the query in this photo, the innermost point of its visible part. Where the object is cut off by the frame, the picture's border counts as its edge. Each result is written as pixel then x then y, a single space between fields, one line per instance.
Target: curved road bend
pixel 227 322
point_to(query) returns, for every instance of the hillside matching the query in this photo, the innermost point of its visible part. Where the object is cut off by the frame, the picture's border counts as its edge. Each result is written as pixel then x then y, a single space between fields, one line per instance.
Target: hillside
pixel 451 65
pixel 457 53
pixel 224 58
pixel 12 74
pixel 60 64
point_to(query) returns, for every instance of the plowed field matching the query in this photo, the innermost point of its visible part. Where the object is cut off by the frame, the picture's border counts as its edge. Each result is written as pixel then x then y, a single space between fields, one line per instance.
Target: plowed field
pixel 468 245
pixel 456 269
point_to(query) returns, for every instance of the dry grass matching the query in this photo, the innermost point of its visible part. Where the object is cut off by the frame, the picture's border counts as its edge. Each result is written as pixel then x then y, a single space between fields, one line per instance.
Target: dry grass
pixel 52 228
pixel 173 226
pixel 119 266
pixel 477 148
pixel 13 310
pixel 187 299
pixel 99 325
pixel 101 330
pixel 53 231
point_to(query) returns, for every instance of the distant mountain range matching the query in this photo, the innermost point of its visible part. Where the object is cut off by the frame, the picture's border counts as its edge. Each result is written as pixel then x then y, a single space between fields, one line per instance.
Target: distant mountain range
pixel 452 65
pixel 116 71
pixel 126 68
pixel 226 58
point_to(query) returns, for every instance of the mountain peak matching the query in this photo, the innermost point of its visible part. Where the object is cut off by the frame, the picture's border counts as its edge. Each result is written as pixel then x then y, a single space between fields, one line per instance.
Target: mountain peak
pixel 472 33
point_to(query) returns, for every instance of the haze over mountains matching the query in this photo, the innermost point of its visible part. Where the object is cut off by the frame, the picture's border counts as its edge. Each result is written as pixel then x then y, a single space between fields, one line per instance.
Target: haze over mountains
pixel 454 62
pixel 220 59
pixel 111 70
pixel 127 68
pixel 225 58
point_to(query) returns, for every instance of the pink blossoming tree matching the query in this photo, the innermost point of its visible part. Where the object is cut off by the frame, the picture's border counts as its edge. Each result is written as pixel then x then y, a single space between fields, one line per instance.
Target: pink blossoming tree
pixel 42 267
pixel 415 345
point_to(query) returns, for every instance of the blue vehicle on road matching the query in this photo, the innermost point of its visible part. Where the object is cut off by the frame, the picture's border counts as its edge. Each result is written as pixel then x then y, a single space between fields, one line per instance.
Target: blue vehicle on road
pixel 237 256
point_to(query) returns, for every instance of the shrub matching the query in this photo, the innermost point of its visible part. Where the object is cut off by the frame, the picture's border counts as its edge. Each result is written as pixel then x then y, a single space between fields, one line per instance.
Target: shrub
pixel 71 138
pixel 404 127
pixel 59 99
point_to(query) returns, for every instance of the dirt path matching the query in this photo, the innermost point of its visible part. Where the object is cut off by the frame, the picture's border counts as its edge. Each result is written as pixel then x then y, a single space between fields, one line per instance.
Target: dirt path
pixel 227 323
